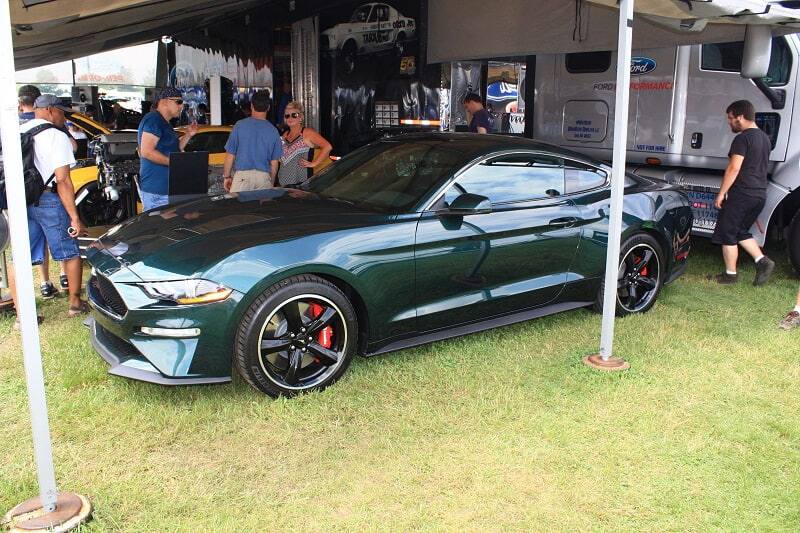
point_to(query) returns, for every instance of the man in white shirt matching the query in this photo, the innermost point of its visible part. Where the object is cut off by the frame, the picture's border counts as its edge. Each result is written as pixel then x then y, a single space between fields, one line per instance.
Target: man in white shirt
pixel 54 221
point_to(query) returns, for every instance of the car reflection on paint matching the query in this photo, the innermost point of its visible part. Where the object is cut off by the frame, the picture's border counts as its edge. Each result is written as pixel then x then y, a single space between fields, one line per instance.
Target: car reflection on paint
pixel 406 241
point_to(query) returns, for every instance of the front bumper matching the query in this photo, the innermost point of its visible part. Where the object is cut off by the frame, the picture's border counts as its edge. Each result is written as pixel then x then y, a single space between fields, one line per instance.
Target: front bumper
pixel 116 334
pixel 126 362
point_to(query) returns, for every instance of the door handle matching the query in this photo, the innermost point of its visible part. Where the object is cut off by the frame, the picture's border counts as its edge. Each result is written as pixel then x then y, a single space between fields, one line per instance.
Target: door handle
pixel 564 222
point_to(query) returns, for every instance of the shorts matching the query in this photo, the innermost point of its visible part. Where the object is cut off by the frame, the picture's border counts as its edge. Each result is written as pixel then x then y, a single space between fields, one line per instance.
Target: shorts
pixel 47 225
pixel 250 180
pixel 737 216
pixel 151 200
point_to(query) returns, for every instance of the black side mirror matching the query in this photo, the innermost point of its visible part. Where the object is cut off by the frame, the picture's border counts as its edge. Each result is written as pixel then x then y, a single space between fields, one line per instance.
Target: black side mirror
pixel 467 204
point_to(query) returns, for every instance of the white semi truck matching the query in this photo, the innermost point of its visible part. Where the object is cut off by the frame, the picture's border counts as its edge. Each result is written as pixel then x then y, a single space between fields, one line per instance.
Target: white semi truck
pixel 677 129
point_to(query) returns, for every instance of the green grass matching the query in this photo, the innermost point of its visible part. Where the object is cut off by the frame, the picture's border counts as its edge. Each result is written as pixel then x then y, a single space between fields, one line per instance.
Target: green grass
pixel 504 430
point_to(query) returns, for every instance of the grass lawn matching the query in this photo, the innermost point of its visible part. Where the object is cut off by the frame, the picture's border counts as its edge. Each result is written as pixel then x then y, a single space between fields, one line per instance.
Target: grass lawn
pixel 502 430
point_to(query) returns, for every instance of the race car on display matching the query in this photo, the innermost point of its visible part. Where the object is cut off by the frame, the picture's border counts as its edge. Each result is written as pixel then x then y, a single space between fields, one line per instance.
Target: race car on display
pixel 372 28
pixel 405 241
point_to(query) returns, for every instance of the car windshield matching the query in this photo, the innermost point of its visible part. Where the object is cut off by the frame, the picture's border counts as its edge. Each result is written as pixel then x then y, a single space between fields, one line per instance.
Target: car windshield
pixel 390 175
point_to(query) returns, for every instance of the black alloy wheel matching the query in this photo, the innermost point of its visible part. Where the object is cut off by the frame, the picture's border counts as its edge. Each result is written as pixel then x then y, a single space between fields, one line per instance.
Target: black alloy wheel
pixel 299 335
pixel 640 276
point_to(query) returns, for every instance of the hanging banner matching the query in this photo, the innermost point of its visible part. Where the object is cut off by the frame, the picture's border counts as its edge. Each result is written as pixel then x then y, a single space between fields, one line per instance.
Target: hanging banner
pixel 465 77
pixel 194 66
pixel 305 68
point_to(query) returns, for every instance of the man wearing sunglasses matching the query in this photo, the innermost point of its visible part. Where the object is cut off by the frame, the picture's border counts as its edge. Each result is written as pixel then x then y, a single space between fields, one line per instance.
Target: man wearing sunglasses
pixel 253 150
pixel 157 140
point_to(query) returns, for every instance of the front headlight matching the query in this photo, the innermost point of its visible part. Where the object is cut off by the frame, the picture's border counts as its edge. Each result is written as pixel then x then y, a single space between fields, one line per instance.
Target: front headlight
pixel 187 291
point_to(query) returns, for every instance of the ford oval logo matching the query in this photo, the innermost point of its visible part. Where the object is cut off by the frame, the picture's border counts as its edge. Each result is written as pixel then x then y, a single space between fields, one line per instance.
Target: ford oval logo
pixel 642 65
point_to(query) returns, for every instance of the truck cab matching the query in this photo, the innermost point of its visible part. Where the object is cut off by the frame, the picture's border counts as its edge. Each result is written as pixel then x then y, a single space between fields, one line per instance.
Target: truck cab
pixel 677 129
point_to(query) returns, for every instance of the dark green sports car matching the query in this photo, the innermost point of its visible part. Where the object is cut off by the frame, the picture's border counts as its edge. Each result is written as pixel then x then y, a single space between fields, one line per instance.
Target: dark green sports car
pixel 406 241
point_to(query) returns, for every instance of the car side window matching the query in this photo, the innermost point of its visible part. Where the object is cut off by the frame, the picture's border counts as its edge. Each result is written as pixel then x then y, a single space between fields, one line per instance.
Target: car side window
pixel 512 178
pixel 580 177
pixel 373 17
pixel 383 13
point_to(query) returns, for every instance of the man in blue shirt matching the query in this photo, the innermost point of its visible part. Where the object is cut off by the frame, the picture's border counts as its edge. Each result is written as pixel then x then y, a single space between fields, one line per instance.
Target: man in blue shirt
pixel 253 150
pixel 481 121
pixel 157 140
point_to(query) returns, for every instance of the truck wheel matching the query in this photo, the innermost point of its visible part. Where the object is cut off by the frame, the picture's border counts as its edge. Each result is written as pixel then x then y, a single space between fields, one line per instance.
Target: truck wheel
pixel 793 242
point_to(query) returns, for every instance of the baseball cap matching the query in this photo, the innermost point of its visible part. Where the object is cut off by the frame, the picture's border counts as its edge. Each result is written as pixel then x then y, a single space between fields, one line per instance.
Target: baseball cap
pixel 49 100
pixel 170 92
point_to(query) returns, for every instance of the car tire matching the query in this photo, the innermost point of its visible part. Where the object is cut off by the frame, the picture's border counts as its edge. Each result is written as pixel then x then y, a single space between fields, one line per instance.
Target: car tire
pixel 297 336
pixel 640 255
pixel 793 242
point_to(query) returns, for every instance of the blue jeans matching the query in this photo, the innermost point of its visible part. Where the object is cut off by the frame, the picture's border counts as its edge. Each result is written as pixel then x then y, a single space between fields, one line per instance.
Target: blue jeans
pixel 47 225
pixel 152 200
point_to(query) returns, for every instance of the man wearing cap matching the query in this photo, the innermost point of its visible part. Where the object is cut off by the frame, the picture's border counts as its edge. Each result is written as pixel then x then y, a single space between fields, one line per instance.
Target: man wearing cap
pixel 27 95
pixel 54 221
pixel 157 140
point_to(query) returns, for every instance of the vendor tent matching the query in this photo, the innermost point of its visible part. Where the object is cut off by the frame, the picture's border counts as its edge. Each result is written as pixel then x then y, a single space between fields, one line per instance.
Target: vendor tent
pixel 46 31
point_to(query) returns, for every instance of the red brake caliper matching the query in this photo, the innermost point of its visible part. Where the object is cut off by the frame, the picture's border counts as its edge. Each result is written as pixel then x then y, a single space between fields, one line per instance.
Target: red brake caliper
pixel 638 260
pixel 325 336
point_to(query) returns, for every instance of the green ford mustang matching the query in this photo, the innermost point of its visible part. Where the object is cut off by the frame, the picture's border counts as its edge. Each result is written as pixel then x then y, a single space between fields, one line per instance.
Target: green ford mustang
pixel 406 241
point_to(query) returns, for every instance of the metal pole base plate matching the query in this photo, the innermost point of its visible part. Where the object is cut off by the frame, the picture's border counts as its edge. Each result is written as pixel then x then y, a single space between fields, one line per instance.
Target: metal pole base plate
pixel 613 364
pixel 71 511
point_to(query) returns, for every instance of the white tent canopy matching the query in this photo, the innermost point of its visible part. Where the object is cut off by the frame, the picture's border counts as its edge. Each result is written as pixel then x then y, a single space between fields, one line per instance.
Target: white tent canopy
pixel 516 27
pixel 527 27
pixel 58 30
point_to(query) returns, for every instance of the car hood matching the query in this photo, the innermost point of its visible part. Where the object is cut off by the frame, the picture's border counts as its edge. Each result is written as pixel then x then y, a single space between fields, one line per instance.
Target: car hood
pixel 184 239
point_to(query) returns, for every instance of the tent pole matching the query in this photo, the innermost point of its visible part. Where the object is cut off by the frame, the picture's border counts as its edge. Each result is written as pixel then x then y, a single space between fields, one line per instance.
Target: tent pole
pixel 604 359
pixel 21 253
pixel 49 499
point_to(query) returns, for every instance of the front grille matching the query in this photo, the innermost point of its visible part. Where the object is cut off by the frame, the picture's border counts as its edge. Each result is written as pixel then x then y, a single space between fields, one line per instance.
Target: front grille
pixel 106 296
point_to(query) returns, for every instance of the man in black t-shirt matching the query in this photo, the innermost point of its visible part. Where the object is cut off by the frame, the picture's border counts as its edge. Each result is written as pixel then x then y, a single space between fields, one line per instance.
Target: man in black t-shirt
pixel 481 120
pixel 743 194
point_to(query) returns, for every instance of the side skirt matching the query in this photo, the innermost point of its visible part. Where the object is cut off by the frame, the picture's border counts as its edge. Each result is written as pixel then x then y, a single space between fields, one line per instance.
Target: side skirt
pixel 475 327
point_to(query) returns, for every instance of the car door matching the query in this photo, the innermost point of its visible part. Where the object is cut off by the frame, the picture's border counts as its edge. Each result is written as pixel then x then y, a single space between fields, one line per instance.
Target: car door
pixel 515 257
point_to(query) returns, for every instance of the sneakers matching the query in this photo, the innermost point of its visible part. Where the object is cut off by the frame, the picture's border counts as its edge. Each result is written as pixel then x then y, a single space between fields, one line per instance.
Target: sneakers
pixel 62 280
pixel 790 321
pixel 724 278
pixel 48 290
pixel 764 270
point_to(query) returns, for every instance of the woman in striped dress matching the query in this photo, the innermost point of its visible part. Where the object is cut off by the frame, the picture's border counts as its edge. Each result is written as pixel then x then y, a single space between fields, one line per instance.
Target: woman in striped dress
pixel 298 143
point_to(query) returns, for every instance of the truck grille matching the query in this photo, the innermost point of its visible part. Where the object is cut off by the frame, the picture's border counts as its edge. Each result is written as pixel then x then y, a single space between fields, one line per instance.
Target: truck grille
pixel 105 295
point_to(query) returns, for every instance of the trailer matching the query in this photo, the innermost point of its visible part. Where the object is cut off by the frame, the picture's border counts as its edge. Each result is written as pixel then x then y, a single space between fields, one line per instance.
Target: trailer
pixel 677 129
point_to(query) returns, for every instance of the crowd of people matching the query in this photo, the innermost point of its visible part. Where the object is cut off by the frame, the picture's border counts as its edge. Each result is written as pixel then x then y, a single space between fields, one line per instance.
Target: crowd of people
pixel 258 156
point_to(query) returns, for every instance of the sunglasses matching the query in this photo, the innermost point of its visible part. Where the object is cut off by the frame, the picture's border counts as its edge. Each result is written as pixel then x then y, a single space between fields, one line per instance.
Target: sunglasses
pixel 291 115
pixel 178 101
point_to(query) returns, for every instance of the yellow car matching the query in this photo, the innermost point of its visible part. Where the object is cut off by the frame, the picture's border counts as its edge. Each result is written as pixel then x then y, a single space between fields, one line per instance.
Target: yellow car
pixel 97 210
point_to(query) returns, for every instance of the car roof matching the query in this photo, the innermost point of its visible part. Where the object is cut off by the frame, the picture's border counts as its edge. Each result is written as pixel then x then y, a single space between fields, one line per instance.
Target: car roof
pixel 474 145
